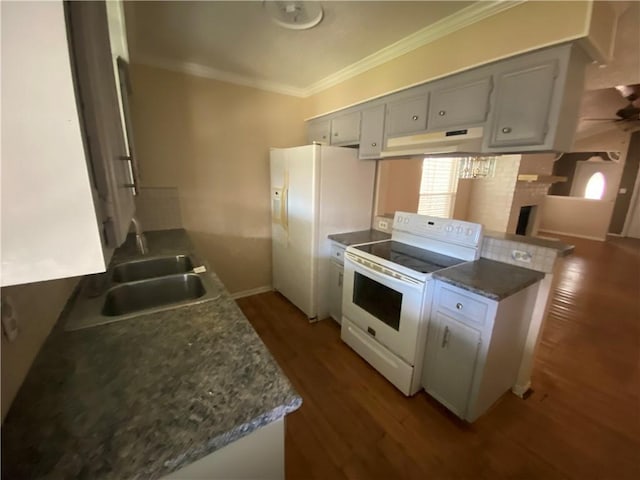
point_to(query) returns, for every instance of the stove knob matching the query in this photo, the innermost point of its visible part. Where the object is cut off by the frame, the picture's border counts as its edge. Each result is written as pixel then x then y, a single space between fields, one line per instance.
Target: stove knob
pixel 459 230
pixel 469 231
pixel 449 228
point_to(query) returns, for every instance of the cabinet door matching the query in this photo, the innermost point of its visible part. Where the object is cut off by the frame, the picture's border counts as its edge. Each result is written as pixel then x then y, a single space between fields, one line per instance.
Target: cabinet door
pixel 318 131
pixel 460 105
pixel 406 116
pixel 100 112
pixel 48 219
pixel 345 129
pixel 452 350
pixel 371 132
pixel 522 105
pixel 335 291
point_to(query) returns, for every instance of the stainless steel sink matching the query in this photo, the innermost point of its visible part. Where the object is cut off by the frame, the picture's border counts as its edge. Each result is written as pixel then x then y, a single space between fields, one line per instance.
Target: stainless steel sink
pixel 151 293
pixel 151 267
pixel 140 287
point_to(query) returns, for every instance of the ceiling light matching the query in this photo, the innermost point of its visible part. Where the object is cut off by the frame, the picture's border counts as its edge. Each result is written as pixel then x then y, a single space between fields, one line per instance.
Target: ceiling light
pixel 294 15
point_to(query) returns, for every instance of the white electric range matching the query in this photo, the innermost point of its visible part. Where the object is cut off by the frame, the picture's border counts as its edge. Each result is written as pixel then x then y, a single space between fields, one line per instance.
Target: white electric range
pixel 386 301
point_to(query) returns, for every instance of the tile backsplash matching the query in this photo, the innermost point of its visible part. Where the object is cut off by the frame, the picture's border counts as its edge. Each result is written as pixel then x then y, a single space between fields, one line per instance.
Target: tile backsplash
pixel 520 254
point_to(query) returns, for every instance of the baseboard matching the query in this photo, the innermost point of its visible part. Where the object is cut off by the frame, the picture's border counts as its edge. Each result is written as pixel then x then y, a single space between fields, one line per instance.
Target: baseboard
pixel 253 291
pixel 567 234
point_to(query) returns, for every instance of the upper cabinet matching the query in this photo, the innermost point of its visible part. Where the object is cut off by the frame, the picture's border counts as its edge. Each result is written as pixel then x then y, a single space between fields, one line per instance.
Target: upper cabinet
pixel 537 100
pixel 407 114
pixel 459 102
pixel 65 178
pixel 319 131
pixel 525 103
pixel 372 132
pixel 522 105
pixel 345 129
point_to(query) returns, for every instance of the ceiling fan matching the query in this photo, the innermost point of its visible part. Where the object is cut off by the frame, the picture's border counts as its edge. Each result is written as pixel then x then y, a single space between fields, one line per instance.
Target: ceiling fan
pixel 628 113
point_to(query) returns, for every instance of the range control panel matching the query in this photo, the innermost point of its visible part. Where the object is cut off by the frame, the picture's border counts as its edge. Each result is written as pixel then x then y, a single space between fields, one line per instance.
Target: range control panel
pixel 443 229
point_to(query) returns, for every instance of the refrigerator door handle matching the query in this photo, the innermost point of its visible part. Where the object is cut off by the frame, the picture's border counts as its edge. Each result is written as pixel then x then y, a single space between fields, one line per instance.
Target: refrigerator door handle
pixel 284 203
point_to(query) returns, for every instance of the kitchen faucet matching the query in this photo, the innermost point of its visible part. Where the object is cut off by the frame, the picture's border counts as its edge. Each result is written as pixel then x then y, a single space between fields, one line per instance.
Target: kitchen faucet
pixel 141 241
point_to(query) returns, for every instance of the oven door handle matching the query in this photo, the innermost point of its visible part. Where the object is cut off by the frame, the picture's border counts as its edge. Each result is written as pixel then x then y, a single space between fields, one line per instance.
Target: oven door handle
pixel 403 279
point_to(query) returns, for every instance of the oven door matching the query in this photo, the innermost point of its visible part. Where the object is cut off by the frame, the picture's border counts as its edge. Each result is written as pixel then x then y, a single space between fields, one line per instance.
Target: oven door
pixel 389 309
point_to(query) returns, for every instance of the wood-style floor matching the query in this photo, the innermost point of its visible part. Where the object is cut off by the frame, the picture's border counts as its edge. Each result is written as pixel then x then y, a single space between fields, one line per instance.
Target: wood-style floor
pixel 581 422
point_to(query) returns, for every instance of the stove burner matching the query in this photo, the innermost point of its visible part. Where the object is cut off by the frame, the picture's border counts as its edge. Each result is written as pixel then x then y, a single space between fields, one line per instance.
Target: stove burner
pixel 418 259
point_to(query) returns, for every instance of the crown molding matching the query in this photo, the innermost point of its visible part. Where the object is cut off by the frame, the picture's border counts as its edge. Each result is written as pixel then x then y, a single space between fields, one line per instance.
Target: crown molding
pixel 451 24
pixel 465 17
pixel 198 70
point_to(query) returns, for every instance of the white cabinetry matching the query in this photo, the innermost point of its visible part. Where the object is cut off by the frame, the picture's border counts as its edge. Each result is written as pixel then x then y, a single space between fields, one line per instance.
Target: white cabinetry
pixel 60 214
pixel 474 347
pixel 336 280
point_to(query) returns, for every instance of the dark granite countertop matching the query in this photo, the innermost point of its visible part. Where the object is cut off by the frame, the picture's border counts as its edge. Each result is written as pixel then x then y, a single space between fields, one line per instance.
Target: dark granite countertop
pixel 141 398
pixel 491 279
pixel 362 236
pixel 563 249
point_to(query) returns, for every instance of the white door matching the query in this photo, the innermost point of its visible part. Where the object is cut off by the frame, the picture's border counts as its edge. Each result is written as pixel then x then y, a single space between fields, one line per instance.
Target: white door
pixel 294 214
pixel 450 361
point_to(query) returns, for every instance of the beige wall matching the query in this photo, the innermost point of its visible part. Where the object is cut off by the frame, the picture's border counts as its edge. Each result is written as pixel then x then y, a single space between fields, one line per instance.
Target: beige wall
pixel 525 27
pixel 578 216
pixel 398 185
pixel 38 306
pixel 211 140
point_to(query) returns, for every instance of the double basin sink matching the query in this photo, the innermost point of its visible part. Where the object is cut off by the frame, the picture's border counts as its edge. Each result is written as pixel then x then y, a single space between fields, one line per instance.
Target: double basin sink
pixel 139 287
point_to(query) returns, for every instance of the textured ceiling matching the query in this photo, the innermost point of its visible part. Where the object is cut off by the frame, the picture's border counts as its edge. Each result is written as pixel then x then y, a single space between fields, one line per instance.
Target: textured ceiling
pixel 239 37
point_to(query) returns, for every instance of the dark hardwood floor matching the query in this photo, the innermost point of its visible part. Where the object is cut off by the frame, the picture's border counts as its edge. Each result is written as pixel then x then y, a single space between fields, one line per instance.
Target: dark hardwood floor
pixel 581 422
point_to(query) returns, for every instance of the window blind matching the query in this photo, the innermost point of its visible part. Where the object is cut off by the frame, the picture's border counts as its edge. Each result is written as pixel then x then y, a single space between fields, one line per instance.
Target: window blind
pixel 438 186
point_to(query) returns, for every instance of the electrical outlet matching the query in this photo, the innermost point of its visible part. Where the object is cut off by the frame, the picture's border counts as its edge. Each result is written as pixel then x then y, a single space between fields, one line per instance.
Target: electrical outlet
pixel 9 319
pixel 521 256
pixel 383 224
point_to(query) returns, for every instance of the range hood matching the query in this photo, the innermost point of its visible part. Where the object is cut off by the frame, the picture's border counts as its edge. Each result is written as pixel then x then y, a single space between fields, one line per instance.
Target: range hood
pixel 467 140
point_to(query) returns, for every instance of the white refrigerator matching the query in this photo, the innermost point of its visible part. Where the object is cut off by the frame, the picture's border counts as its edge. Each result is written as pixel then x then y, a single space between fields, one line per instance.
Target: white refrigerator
pixel 316 190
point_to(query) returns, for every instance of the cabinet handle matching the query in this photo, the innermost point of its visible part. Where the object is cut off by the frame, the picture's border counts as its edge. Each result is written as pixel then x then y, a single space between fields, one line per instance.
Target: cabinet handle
pixel 415 117
pixel 324 137
pixel 459 306
pixel 506 130
pixel 374 144
pixel 335 134
pixel 445 338
pixel 442 113
pixel 340 277
pixel 133 185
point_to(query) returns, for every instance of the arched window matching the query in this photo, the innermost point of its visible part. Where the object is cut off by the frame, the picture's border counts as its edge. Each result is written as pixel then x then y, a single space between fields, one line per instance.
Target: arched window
pixel 595 187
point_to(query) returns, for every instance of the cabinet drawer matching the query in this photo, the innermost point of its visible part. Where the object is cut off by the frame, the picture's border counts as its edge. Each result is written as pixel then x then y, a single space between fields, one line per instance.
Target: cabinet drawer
pixel 461 307
pixel 337 253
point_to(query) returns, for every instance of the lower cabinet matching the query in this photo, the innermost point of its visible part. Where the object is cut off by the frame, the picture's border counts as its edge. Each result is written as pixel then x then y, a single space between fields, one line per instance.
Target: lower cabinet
pixel 455 351
pixel 336 277
pixel 257 455
pixel 474 347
